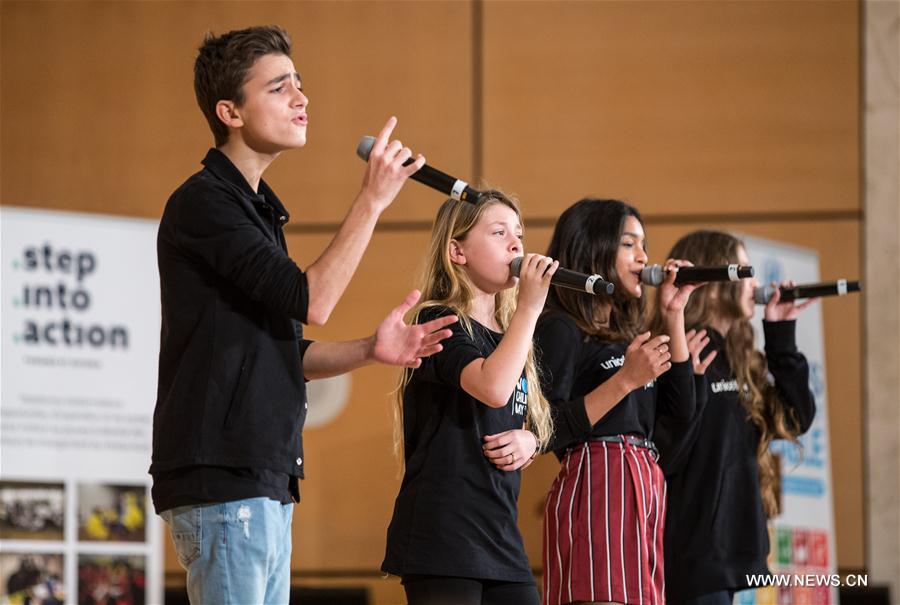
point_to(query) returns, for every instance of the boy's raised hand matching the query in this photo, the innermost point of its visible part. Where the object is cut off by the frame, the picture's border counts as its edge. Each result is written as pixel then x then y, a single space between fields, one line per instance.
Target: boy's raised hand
pixel 386 174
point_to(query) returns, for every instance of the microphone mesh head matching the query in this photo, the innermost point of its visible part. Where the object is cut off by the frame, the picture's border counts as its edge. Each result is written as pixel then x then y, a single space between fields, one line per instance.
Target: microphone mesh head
pixel 653 275
pixel 762 294
pixel 365 147
pixel 515 266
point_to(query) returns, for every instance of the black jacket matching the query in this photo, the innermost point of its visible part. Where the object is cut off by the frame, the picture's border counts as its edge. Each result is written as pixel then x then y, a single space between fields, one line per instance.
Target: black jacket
pixel 716 530
pixel 231 388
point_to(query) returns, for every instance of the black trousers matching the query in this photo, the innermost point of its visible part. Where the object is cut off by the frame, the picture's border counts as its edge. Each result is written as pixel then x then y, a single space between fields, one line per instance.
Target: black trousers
pixel 721 597
pixel 446 590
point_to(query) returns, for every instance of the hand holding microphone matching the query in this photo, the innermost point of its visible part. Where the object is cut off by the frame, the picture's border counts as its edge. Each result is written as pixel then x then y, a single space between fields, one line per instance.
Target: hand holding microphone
pixel 779 310
pixel 672 298
pixel 390 165
pixel 425 174
pixel 535 275
pixel 840 287
pixel 781 302
pixel 654 275
pixel 592 284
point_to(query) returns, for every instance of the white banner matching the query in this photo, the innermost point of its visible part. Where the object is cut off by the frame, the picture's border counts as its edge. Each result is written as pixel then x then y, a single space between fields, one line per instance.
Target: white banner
pixel 802 537
pixel 80 342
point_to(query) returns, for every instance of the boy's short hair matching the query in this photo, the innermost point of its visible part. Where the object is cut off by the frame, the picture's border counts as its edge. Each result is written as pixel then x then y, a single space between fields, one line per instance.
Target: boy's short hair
pixel 222 65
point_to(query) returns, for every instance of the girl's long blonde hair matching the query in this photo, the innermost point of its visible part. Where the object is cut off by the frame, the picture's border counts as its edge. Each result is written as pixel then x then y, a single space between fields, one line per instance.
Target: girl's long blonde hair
pixel 444 283
pixel 765 409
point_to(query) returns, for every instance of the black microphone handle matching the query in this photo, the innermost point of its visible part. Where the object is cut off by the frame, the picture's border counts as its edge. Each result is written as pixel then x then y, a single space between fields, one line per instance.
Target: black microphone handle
pixel 434 178
pixel 834 288
pixel 565 278
pixel 581 281
pixel 654 275
pixel 688 275
pixel 443 182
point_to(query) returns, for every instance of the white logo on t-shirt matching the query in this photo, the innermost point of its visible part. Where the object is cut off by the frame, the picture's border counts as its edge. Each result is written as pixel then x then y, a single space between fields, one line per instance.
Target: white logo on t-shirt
pixel 722 386
pixel 613 362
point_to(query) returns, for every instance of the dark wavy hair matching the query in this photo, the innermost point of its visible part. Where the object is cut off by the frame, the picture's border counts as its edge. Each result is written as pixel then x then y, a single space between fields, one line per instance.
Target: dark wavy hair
pixel 760 398
pixel 586 239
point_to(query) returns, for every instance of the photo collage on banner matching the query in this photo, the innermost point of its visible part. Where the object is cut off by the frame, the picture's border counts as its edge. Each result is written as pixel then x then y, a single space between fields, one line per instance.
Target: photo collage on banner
pixel 80 340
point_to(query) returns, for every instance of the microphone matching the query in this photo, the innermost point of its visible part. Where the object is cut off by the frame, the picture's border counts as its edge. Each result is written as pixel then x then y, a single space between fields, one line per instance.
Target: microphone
pixel 434 178
pixel 653 275
pixel 832 288
pixel 592 284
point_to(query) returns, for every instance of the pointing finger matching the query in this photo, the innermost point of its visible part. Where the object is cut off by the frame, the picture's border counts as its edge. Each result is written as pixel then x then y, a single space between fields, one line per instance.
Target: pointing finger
pixel 383 136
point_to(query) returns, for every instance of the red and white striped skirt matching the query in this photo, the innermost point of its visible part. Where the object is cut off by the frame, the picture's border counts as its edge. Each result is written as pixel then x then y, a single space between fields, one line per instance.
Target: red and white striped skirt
pixel 603 527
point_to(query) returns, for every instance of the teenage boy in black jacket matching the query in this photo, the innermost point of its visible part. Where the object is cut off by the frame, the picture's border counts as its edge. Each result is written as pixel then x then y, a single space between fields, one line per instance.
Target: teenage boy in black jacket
pixel 227 446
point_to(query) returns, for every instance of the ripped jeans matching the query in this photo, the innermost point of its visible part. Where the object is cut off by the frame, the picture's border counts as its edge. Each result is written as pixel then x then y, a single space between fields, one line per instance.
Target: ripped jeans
pixel 234 552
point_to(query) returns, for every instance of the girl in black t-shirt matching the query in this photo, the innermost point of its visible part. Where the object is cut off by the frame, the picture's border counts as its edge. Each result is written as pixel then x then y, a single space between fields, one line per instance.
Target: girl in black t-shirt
pixel 471 416
pixel 608 380
pixel 720 470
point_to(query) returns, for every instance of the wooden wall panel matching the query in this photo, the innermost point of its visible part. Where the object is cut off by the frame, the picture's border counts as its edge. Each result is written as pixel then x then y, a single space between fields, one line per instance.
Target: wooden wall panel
pixel 106 120
pixel 685 107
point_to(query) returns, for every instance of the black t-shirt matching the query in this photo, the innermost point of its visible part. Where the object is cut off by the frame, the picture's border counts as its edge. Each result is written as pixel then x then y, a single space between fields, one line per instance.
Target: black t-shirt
pixel 573 364
pixel 456 512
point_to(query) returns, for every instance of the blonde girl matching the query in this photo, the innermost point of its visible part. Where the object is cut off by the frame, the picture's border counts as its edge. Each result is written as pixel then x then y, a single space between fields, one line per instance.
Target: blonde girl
pixel 472 415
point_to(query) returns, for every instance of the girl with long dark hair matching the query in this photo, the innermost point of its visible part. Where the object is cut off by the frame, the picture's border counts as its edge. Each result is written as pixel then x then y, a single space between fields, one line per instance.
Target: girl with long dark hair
pixel 608 379
pixel 721 474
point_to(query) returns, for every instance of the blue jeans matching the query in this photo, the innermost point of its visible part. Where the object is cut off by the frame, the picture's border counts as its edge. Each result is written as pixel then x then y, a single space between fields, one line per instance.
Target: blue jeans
pixel 234 552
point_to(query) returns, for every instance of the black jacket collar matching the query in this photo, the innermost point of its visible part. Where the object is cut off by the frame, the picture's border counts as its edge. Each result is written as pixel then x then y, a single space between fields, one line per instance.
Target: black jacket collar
pixel 219 164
